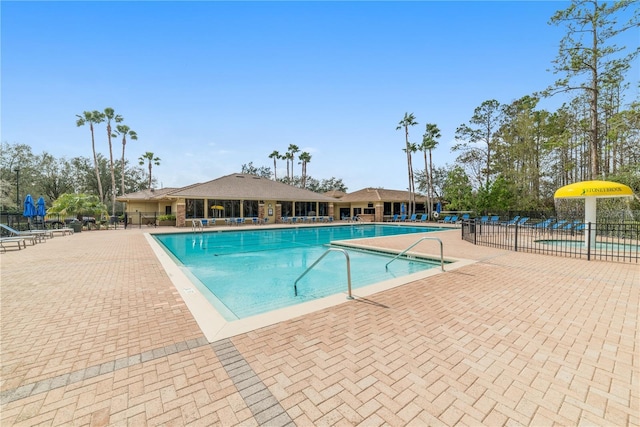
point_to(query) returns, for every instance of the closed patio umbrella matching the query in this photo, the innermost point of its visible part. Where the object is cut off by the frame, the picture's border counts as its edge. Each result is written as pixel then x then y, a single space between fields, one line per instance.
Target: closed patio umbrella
pixel 29 207
pixel 41 208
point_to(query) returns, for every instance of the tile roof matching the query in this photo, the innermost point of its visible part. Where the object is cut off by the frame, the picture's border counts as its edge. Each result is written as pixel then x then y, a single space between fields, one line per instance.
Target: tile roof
pixel 377 194
pixel 148 194
pixel 248 187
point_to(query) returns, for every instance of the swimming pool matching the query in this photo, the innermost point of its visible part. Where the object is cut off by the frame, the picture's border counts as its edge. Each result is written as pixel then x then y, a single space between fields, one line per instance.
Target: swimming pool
pixel 248 272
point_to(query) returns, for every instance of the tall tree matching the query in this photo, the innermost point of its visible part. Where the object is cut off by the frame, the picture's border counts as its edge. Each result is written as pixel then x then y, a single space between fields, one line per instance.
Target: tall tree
pixel 124 131
pixel 150 159
pixel 288 157
pixel 292 150
pixel 262 171
pixel 275 155
pixel 304 159
pixel 429 142
pixel 409 120
pixel 109 115
pixel 588 56
pixel 457 190
pixel 485 122
pixel 92 118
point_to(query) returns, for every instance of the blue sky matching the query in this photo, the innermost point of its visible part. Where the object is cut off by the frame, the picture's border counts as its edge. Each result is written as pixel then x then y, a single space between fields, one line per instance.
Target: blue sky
pixel 209 86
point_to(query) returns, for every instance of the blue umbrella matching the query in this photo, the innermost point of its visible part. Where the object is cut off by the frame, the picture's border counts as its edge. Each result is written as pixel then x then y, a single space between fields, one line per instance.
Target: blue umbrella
pixel 403 208
pixel 29 207
pixel 438 207
pixel 41 208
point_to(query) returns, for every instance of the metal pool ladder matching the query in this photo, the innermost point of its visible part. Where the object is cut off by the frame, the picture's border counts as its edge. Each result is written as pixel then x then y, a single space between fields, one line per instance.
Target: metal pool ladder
pixel 295 284
pixel 196 225
pixel 420 240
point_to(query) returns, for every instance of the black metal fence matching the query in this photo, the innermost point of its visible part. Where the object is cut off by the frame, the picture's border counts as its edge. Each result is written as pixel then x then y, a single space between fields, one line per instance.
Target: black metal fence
pixel 618 242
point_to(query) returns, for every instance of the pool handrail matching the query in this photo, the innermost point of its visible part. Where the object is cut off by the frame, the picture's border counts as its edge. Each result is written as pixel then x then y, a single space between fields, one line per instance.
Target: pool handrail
pixel 349 296
pixel 414 244
pixel 196 225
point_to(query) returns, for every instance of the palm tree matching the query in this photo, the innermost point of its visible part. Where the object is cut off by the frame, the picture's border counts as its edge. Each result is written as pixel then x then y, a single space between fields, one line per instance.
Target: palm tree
pixel 429 142
pixel 293 149
pixel 304 159
pixel 149 156
pixel 92 117
pixel 409 120
pixel 275 156
pixel 288 156
pixel 124 131
pixel 109 115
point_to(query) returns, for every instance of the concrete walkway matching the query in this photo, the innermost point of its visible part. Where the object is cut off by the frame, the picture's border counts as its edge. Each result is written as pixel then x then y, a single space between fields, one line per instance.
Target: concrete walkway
pixel 95 333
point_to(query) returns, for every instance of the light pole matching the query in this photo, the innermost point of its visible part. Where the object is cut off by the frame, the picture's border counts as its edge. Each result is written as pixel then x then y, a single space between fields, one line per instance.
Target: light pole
pixel 17 170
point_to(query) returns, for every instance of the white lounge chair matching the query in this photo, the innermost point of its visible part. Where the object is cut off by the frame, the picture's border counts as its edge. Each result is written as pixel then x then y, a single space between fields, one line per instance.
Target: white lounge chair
pixel 17 241
pixel 41 234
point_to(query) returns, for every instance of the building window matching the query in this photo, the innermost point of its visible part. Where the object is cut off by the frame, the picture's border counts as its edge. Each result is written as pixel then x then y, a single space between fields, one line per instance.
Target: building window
pixel 230 208
pixel 286 207
pixel 250 208
pixel 195 208
pixel 305 208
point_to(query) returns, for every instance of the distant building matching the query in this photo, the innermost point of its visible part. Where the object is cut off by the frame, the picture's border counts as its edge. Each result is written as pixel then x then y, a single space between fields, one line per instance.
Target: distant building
pixel 248 196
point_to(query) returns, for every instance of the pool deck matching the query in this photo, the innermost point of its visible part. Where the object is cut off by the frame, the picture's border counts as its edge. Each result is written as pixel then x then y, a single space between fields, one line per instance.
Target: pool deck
pixel 94 332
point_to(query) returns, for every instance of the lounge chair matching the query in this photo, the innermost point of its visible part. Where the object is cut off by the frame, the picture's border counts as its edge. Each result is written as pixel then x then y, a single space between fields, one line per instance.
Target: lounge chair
pixel 512 221
pixel 424 217
pixel 39 234
pixel 495 219
pixel 466 217
pixel 15 241
pixel 542 225
pixel 395 218
pixel 573 226
pixel 452 220
pixel 520 221
pixel 558 225
pixel 403 218
pixel 446 219
pixel 484 219
pixel 413 218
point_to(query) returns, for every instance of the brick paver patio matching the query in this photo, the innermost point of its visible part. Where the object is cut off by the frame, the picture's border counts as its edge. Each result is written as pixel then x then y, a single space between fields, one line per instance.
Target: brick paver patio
pixel 95 333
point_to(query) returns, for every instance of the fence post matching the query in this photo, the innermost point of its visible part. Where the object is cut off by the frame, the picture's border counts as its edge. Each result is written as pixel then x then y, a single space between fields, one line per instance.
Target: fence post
pixel 515 242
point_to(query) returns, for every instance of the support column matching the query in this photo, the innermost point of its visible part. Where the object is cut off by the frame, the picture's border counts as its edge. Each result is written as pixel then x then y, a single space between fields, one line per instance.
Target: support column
pixel 590 206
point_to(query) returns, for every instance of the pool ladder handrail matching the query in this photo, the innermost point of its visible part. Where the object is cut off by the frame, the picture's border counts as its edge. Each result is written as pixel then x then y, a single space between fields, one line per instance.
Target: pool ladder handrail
pixel 414 244
pixel 349 296
pixel 196 225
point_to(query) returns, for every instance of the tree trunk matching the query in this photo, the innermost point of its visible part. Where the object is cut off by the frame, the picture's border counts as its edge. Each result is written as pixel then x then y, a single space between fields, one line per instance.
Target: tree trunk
pixel 95 163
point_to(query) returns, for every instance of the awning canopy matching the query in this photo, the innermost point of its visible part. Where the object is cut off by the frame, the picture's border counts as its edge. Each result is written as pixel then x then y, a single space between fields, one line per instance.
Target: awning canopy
pixel 596 189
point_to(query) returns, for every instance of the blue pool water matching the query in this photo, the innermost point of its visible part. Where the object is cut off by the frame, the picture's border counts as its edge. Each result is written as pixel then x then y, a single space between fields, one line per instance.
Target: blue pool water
pixel 253 271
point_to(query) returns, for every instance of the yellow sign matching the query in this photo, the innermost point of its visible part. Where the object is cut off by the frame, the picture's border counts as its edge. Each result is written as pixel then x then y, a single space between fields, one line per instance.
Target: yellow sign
pixel 593 189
